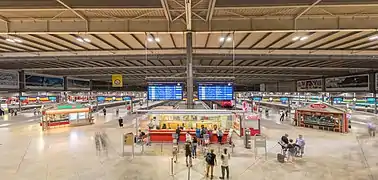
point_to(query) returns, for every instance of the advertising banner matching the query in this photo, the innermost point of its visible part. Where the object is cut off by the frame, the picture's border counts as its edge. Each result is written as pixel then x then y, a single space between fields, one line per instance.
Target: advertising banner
pixel 117 80
pixel 312 85
pixel 348 83
pixel 8 79
pixel 78 84
pixel 44 82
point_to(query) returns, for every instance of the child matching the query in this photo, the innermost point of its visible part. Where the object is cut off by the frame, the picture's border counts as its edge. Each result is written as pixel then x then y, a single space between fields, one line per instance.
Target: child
pixel 291 149
pixel 300 142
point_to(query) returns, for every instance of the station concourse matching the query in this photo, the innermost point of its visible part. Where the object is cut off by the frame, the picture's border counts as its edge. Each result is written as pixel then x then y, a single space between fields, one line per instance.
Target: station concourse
pixel 116 90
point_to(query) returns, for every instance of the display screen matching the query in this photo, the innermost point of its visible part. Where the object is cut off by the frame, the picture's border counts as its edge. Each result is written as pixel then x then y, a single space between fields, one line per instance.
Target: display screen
pixel 100 98
pixel 338 99
pixel 165 91
pixel 126 98
pixel 78 84
pixel 43 81
pixel 52 98
pixel 215 91
pixel 257 98
pixel 371 100
pixel 23 98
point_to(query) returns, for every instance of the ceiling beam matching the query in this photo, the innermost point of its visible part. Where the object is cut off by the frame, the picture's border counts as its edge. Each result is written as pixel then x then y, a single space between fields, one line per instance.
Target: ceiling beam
pixel 188 14
pixel 307 9
pixel 167 13
pixel 81 16
pixel 352 70
pixel 210 10
pixel 106 68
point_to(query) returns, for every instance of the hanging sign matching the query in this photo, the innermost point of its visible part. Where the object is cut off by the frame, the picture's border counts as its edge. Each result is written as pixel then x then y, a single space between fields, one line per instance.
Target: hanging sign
pixel 117 80
pixel 318 106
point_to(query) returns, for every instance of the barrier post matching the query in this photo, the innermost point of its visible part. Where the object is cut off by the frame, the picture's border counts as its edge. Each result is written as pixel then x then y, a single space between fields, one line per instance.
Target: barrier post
pixel 161 147
pixel 189 173
pixel 172 166
pixel 123 145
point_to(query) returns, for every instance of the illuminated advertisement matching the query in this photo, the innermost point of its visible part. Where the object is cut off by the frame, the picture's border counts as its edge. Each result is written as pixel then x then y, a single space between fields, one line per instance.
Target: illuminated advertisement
pixel 76 84
pixel 44 82
pixel 312 85
pixel 8 79
pixel 348 83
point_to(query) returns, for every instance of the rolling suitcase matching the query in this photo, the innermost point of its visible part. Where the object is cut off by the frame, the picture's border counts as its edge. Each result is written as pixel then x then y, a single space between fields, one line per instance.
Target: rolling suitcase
pixel 280 158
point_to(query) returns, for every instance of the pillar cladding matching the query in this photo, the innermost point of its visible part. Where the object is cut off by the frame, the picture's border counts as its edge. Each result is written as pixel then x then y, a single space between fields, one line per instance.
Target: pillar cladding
pixel 189 69
pixel 21 86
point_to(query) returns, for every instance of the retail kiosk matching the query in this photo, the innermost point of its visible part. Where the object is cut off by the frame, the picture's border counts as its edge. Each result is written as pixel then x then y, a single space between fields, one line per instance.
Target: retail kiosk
pixel 66 115
pixel 322 116
pixel 166 121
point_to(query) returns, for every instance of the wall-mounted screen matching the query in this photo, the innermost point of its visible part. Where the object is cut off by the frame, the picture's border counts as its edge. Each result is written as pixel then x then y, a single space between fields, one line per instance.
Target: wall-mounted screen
pixel 216 91
pixel 165 91
pixel 76 84
pixel 338 100
pixel 348 83
pixel 100 98
pixel 43 82
pixel 127 98
pixel 257 98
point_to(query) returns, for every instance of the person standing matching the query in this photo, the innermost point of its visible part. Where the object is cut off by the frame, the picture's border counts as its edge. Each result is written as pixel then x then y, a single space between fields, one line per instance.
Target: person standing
pixel 104 111
pixel 211 160
pixel 194 147
pixel 282 114
pixel 371 129
pixel 220 135
pixel 301 143
pixel 117 112
pixel 120 122
pixel 224 166
pixel 178 131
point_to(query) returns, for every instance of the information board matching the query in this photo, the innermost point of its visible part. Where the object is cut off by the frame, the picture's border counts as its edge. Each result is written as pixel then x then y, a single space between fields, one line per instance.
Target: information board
pixel 215 91
pixel 165 91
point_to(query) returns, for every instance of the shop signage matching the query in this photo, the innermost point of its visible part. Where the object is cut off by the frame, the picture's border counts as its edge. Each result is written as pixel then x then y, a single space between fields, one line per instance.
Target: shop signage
pixel 348 83
pixel 117 80
pixel 310 85
pixel 318 106
pixel 70 106
pixel 8 79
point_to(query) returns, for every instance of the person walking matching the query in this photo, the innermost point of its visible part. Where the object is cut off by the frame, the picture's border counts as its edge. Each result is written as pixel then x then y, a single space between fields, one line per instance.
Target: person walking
pixel 282 114
pixel 220 136
pixel 188 154
pixel 371 129
pixel 104 111
pixel 211 160
pixel 117 112
pixel 120 122
pixel 301 144
pixel 224 165
pixel 178 131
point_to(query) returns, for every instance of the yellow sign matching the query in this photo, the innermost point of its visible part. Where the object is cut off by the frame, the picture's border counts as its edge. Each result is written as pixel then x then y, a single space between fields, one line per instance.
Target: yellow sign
pixel 128 139
pixel 117 80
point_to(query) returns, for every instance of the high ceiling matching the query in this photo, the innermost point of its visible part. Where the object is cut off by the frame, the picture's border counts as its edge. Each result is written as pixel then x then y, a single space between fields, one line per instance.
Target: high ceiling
pixel 251 41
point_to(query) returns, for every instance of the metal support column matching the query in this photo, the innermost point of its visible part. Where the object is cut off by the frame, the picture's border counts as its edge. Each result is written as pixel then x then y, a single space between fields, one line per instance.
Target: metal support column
pixel 21 87
pixel 373 89
pixel 189 69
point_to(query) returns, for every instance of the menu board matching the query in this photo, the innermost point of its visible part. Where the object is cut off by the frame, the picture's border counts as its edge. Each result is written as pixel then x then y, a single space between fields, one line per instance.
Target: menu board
pixel 165 91
pixel 215 91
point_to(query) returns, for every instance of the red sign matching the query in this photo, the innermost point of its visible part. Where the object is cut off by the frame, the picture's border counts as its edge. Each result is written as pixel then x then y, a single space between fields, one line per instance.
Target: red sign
pixel 318 106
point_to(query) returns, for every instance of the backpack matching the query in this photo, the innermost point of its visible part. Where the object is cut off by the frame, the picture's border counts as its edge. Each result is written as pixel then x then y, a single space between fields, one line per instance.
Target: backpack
pixel 208 158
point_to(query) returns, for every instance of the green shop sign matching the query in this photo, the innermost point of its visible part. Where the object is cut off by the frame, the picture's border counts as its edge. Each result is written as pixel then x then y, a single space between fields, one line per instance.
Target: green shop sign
pixel 76 106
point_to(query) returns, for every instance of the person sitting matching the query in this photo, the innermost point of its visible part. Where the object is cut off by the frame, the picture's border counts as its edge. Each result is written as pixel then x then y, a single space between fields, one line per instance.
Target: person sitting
pixel 164 126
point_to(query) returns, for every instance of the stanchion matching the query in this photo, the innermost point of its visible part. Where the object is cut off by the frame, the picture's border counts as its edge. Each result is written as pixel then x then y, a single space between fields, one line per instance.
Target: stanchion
pixel 189 173
pixel 172 166
pixel 161 147
pixel 232 147
pixel 219 148
pixel 142 148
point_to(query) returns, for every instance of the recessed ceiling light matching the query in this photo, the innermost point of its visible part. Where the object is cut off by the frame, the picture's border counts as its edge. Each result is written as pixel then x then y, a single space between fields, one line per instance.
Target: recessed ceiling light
pixel 10 40
pixel 303 38
pixel 157 39
pixel 229 39
pixel 373 38
pixel 80 39
pixel 296 38
pixel 87 40
pixel 221 39
pixel 18 40
pixel 150 39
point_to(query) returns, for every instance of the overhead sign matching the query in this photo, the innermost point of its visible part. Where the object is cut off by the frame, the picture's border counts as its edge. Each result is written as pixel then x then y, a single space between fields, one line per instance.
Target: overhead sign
pixel 78 84
pixel 117 80
pixel 44 82
pixel 165 91
pixel 257 98
pixel 310 85
pixel 348 83
pixel 9 79
pixel 216 91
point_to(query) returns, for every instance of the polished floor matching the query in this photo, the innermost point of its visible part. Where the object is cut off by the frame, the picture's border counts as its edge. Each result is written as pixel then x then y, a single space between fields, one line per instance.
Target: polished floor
pixel 69 153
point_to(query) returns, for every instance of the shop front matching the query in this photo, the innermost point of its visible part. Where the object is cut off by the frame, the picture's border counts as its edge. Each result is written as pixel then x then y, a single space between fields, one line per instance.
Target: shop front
pixel 162 124
pixel 322 116
pixel 66 115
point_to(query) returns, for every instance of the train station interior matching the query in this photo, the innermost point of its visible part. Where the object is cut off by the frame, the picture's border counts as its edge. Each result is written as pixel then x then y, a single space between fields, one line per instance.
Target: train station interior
pixel 152 89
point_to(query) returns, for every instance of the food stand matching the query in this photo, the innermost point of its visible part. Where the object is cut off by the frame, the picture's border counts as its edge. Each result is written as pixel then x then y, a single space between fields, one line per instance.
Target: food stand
pixel 249 121
pixel 166 121
pixel 322 116
pixel 66 115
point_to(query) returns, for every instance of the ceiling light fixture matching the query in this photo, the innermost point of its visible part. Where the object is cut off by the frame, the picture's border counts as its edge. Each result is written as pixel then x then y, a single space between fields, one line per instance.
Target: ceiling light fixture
pixel 296 38
pixel 87 40
pixel 303 38
pixel 373 38
pixel 228 39
pixel 18 40
pixel 150 39
pixel 10 40
pixel 80 40
pixel 157 39
pixel 221 39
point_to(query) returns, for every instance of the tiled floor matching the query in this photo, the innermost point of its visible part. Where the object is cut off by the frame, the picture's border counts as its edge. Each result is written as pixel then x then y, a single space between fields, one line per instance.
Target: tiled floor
pixel 70 154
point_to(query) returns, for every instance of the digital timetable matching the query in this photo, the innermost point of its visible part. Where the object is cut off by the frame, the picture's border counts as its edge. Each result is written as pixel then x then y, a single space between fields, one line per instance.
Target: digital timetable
pixel 165 91
pixel 215 91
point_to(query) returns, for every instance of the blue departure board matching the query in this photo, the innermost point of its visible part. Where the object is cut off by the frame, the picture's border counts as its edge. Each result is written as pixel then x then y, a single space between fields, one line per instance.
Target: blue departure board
pixel 215 91
pixel 257 98
pixel 165 91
